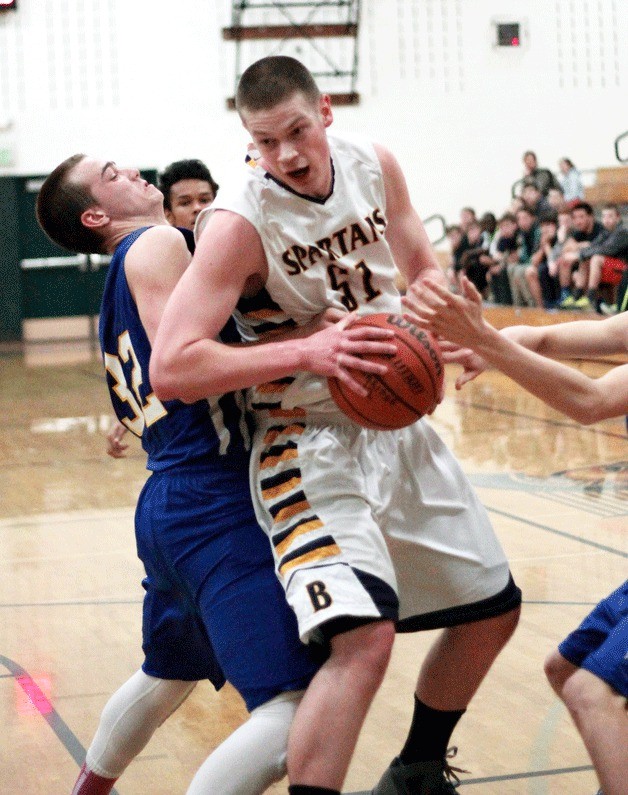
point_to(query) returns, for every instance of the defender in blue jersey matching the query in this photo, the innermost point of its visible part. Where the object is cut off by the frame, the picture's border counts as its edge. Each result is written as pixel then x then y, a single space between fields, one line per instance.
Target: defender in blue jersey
pixel 213 606
pixel 188 187
pixel 589 669
pixel 196 532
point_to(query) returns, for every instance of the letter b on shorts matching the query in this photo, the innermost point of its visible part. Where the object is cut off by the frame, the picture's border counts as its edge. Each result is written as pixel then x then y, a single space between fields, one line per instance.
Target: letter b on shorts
pixel 319 596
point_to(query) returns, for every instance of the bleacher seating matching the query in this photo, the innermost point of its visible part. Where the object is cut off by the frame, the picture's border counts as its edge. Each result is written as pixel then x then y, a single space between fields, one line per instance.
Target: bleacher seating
pixel 610 186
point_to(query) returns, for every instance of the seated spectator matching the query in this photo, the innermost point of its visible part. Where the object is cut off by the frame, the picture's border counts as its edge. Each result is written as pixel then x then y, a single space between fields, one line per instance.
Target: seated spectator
pixel 570 180
pixel 544 287
pixel 543 177
pixel 602 262
pixel 565 225
pixel 585 230
pixel 488 224
pixel 502 251
pixel 556 199
pixel 516 203
pixel 528 240
pixel 474 260
pixel 458 245
pixel 467 217
pixel 534 199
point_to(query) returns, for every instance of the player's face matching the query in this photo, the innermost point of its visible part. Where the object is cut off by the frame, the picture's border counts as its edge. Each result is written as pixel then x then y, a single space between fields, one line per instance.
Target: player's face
pixel 120 192
pixel 291 138
pixel 187 198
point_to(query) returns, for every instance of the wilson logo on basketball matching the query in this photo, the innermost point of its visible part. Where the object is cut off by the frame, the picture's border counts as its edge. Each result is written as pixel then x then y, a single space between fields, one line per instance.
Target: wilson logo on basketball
pixel 410 388
pixel 426 339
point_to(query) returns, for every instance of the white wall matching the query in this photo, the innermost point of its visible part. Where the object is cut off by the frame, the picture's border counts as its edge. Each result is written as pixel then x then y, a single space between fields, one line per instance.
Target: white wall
pixel 145 81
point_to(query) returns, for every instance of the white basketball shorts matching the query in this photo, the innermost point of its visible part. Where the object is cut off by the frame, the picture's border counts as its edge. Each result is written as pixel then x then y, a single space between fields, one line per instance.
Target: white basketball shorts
pixel 359 518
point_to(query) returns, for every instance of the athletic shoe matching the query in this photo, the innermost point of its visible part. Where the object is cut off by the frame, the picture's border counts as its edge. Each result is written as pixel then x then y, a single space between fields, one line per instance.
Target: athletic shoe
pixel 607 309
pixel 567 303
pixel 583 303
pixel 430 777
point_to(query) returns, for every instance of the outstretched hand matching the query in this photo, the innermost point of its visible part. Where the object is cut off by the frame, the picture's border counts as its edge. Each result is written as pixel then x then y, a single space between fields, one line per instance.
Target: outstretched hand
pixel 336 351
pixel 472 363
pixel 457 318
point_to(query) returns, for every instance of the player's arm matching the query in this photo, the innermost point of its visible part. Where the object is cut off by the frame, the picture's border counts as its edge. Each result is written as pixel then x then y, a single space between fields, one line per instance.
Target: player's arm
pixel 405 233
pixel 580 338
pixel 153 266
pixel 189 363
pixel 459 319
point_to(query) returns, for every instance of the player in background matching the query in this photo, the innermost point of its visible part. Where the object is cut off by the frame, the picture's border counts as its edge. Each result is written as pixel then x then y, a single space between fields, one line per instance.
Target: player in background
pixel 188 187
pixel 324 221
pixel 213 606
pixel 589 670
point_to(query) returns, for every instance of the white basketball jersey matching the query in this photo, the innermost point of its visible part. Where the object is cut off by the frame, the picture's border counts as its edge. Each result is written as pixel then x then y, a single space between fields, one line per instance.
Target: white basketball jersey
pixel 320 252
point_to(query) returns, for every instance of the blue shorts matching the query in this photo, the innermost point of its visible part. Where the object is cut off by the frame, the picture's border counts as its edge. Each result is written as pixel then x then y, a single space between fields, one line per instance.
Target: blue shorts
pixel 213 602
pixel 600 644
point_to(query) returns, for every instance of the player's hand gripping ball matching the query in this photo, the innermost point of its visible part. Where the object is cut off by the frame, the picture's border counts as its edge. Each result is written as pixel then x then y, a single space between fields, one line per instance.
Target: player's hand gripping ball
pixel 410 388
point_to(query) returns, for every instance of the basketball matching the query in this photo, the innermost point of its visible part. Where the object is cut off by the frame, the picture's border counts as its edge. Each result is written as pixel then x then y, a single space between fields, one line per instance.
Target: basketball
pixel 411 387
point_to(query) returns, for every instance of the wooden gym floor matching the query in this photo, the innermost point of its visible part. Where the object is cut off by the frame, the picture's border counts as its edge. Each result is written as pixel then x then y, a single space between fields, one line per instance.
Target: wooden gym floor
pixel 70 592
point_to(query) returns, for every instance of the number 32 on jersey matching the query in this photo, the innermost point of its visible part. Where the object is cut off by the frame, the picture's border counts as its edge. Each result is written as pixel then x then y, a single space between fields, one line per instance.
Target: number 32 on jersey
pixel 144 413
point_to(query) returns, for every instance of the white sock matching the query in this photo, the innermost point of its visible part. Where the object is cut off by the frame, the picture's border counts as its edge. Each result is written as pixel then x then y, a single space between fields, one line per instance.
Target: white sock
pixel 254 756
pixel 130 718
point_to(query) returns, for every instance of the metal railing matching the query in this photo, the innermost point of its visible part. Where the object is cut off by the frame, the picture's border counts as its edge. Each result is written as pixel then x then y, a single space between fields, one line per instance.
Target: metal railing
pixel 618 141
pixel 430 222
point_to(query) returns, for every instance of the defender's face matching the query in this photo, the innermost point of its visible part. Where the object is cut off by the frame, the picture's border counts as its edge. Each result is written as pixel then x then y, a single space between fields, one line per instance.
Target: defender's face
pixel 187 198
pixel 291 138
pixel 119 192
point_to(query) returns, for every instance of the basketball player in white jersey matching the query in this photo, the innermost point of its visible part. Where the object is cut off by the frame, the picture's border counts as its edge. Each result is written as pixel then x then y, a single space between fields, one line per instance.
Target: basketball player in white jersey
pixel 589 669
pixel 213 606
pixel 370 529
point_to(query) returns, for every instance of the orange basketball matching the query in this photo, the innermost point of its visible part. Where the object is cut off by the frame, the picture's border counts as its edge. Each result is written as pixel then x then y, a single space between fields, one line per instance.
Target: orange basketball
pixel 411 387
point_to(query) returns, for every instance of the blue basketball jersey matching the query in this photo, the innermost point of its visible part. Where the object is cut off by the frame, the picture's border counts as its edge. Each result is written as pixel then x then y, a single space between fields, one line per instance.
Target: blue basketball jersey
pixel 173 433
